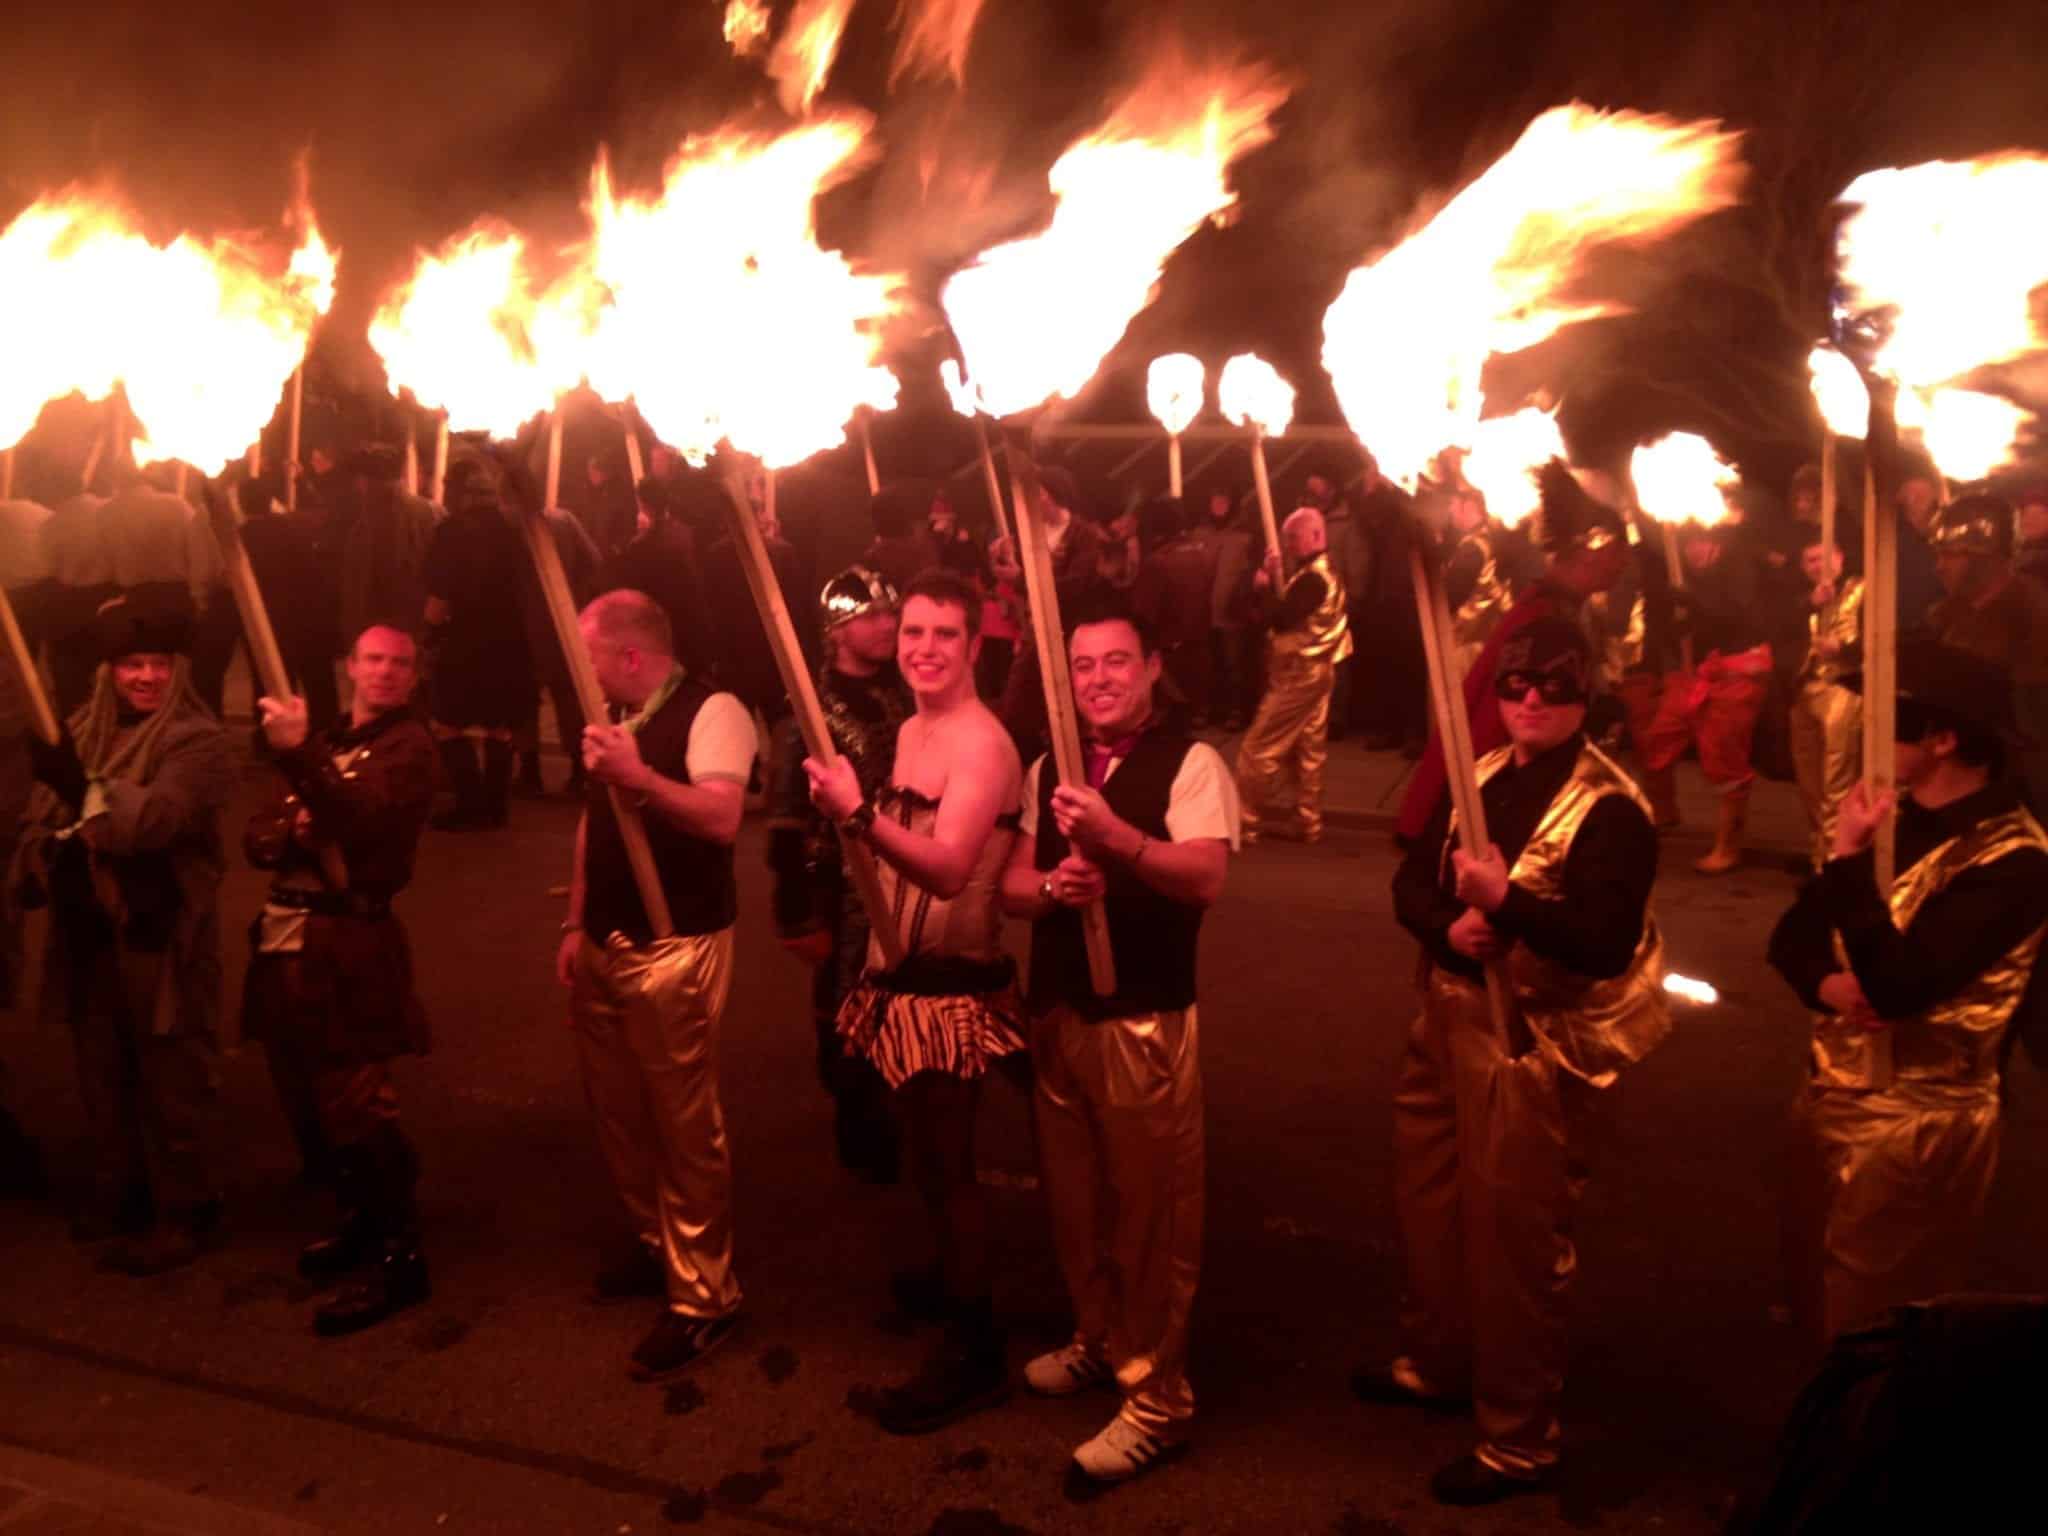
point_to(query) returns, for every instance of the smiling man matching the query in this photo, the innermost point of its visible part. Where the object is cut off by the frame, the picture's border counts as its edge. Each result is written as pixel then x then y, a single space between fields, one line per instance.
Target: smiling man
pixel 330 988
pixel 932 1026
pixel 1119 1081
pixel 1491 1135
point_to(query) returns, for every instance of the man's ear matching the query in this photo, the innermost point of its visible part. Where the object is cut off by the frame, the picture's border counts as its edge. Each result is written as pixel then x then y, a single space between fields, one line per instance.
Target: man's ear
pixel 1154 666
pixel 1939 743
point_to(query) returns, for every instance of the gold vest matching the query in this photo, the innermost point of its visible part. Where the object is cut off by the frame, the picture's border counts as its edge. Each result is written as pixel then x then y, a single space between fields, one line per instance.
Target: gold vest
pixel 1327 634
pixel 1839 619
pixel 1618 636
pixel 1951 1049
pixel 1488 599
pixel 1590 1028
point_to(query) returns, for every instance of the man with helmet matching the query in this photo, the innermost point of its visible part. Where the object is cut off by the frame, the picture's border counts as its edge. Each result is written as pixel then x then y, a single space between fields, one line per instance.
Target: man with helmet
pixel 818 914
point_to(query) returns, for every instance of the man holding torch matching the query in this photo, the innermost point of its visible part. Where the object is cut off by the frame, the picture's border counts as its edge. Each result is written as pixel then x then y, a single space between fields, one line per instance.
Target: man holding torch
pixel 1311 626
pixel 933 1025
pixel 330 987
pixel 1491 1144
pixel 1913 992
pixel 645 1010
pixel 1118 1085
pixel 817 909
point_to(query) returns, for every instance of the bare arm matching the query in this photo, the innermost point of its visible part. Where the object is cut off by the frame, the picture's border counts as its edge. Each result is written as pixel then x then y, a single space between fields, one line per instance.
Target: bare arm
pixel 1023 883
pixel 711 811
pixel 572 924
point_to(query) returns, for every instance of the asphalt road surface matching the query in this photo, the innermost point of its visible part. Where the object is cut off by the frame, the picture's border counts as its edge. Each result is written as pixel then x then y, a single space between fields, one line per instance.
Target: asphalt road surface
pixel 503 1405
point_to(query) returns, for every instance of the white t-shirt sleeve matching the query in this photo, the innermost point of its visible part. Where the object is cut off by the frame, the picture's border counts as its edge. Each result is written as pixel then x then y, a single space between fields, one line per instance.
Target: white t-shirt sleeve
pixel 723 743
pixel 1027 813
pixel 1203 801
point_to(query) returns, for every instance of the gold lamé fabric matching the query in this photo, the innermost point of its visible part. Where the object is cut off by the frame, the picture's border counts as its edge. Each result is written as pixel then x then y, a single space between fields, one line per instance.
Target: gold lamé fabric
pixel 646 1022
pixel 1839 619
pixel 1826 731
pixel 1118 1105
pixel 1491 1156
pixel 1291 731
pixel 1618 621
pixel 1327 634
pixel 1590 1028
pixel 1896 1135
pixel 1481 612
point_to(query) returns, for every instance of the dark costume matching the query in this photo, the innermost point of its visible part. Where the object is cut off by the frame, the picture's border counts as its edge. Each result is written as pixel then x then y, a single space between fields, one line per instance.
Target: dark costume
pixel 330 986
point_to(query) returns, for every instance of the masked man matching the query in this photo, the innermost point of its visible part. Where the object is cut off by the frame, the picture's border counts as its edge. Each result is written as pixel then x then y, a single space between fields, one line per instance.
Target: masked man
pixel 1119 1081
pixel 819 914
pixel 330 988
pixel 1493 1124
pixel 1311 635
pixel 1914 991
pixel 123 843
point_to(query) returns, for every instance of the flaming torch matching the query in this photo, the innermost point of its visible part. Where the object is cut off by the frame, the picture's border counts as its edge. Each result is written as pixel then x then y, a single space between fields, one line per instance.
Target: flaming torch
pixel 1173 391
pixel 1407 341
pixel 961 392
pixel 1679 480
pixel 1252 393
pixel 1845 412
pixel 1502 462
pixel 722 268
pixel 1034 318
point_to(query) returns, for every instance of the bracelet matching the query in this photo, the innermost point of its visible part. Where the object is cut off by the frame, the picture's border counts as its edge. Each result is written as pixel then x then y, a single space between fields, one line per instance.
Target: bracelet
pixel 859 820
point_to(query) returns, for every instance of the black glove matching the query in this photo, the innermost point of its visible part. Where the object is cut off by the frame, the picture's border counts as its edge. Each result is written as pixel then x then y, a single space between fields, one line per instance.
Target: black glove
pixel 56 765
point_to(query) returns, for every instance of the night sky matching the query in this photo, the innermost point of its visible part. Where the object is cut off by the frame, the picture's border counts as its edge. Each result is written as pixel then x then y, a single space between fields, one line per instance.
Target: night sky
pixel 421 119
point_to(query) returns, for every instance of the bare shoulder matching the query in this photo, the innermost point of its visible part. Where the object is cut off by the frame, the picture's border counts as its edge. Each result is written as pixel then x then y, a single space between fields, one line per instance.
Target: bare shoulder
pixel 984 739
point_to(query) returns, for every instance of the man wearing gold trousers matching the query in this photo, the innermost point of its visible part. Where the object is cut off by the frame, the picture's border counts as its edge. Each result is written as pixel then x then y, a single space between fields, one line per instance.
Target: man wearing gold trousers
pixel 1827 719
pixel 1119 1078
pixel 646 1010
pixel 1494 1125
pixel 1913 992
pixel 1311 636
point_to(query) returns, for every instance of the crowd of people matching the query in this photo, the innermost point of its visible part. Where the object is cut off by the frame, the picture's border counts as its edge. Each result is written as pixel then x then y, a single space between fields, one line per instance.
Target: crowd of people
pixel 1542 956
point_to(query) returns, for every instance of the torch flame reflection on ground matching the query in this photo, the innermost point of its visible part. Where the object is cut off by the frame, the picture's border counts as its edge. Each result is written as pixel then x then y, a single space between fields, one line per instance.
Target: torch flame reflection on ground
pixel 1406 341
pixel 1035 317
pixel 1679 478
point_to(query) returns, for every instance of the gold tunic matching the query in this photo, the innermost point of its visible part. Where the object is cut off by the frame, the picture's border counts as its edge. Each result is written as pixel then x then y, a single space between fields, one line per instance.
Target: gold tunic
pixel 1618 635
pixel 1327 634
pixel 1591 1028
pixel 1484 605
pixel 1947 1054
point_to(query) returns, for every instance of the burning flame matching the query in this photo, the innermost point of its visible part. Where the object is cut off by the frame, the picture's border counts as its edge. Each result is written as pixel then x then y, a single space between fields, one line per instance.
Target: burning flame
pixel 1678 479
pixel 1173 391
pixel 1036 317
pixel 746 26
pixel 726 320
pixel 960 389
pixel 1406 341
pixel 1954 249
pixel 201 335
pixel 1252 393
pixel 1690 989
pixel 1506 452
pixel 933 37
pixel 1838 391
pixel 1967 434
pixel 461 335
pixel 804 55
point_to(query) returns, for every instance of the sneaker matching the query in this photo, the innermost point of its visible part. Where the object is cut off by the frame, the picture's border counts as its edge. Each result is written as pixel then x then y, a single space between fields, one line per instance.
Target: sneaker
pixel 1067 1371
pixel 1124 1450
pixel 630 1277
pixel 676 1343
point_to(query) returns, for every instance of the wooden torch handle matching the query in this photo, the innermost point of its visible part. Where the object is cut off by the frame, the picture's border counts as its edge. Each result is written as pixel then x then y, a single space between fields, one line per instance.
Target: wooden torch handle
pixel 41 715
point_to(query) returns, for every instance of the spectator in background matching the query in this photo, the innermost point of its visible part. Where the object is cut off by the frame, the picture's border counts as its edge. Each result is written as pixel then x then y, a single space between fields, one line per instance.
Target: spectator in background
pixel 1227 541
pixel 953 547
pixel 82 576
pixel 903 547
pixel 605 502
pixel 1171 597
pixel 384 556
pixel 579 557
pixel 1391 702
pixel 1075 549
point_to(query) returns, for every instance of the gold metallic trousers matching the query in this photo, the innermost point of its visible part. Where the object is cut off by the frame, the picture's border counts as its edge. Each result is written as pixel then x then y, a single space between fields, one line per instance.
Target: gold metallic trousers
pixel 1119 1111
pixel 646 1022
pixel 1490 1159
pixel 1291 727
pixel 1888 1191
pixel 1827 756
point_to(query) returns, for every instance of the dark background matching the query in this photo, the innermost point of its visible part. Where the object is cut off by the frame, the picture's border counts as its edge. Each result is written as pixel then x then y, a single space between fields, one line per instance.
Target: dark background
pixel 420 120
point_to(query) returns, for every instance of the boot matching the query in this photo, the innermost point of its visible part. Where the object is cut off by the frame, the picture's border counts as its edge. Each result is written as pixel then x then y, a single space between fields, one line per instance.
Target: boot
pixel 1660 788
pixel 497 784
pixel 1728 829
pixel 458 763
pixel 354 1242
pixel 398 1278
pixel 170 1244
pixel 965 1373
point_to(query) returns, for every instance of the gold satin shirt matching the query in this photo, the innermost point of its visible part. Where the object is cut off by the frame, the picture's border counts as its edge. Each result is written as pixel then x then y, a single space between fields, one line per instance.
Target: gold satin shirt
pixel 1489 598
pixel 1949 1052
pixel 1327 634
pixel 1839 619
pixel 1591 1028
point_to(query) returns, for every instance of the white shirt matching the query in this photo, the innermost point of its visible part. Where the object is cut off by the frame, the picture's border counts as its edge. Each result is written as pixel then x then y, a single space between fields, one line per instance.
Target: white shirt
pixel 1202 802
pixel 723 743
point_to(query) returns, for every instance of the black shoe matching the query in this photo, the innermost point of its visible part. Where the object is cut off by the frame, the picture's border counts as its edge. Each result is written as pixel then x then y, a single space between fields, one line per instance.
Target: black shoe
pixel 676 1343
pixel 630 1277
pixel 397 1281
pixel 964 1374
pixel 920 1294
pixel 1378 1385
pixel 1469 1482
pixel 166 1246
pixel 350 1246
